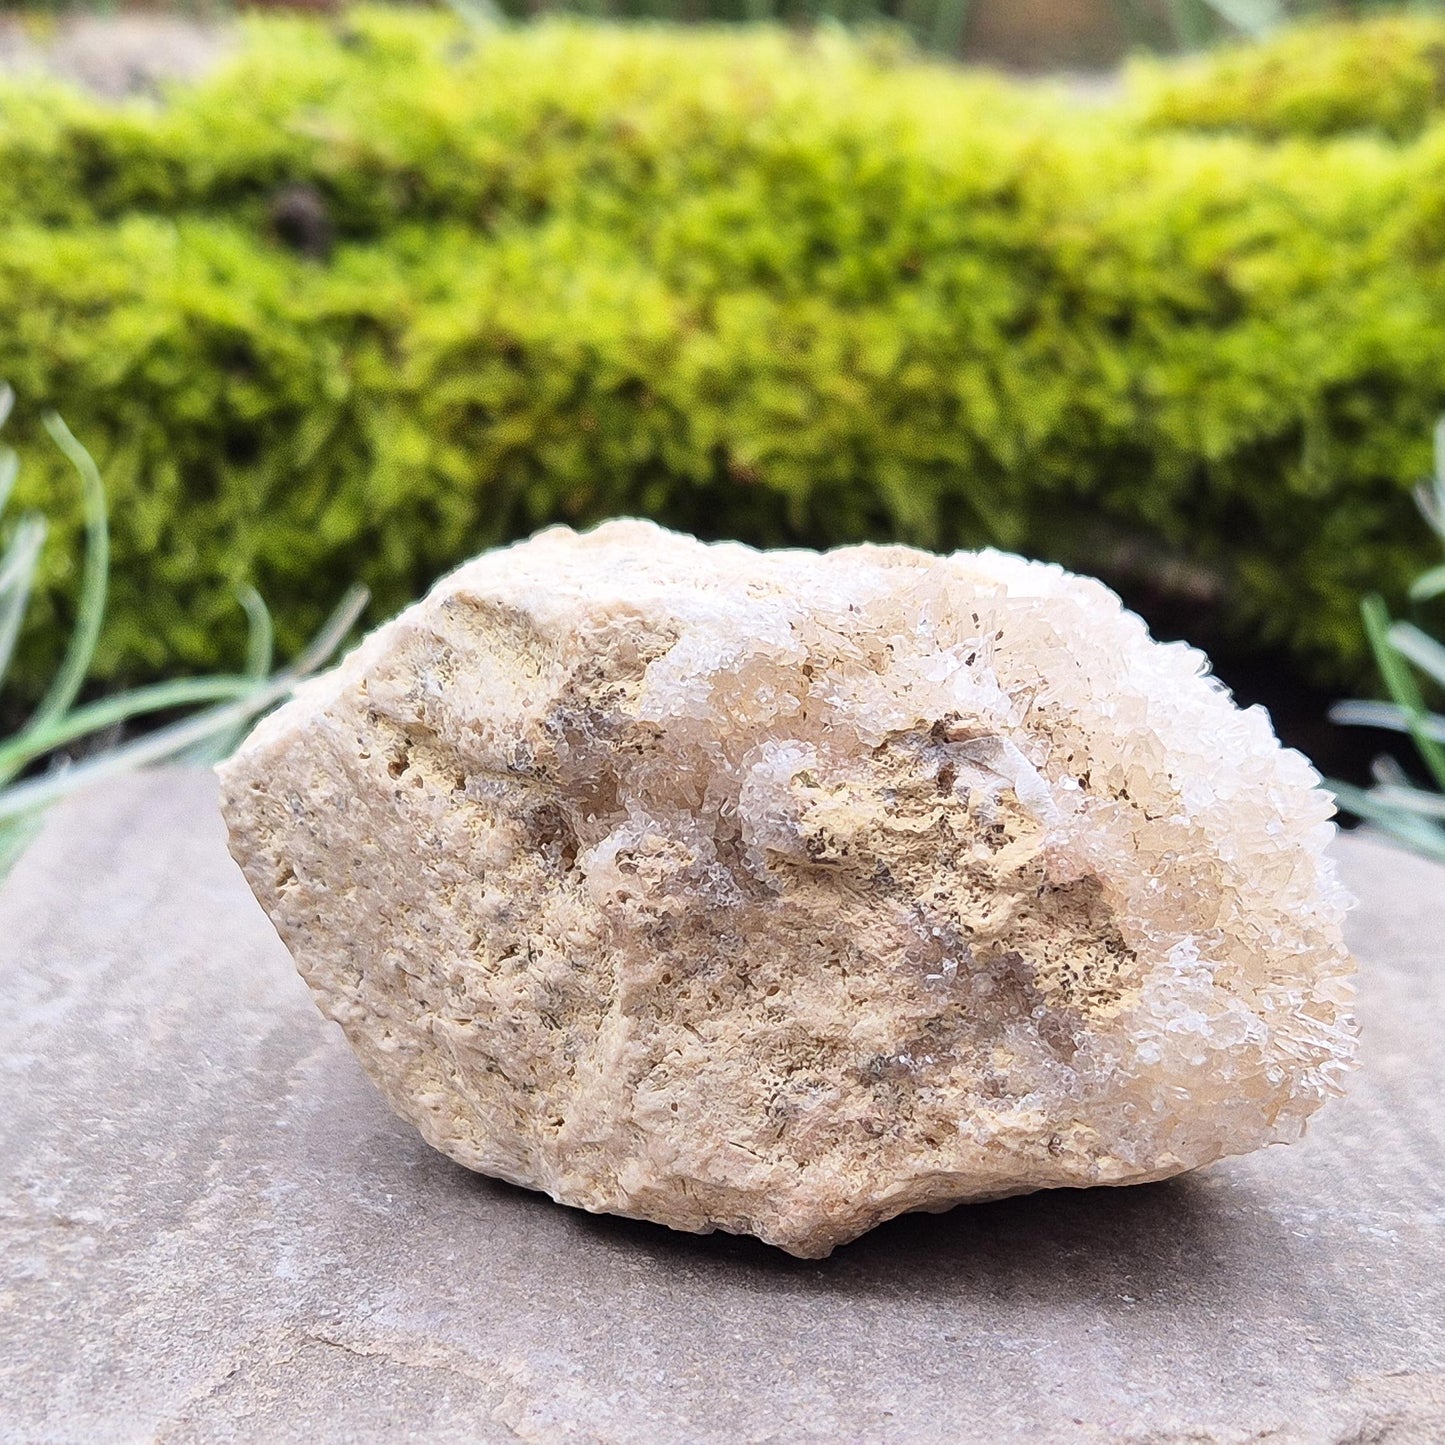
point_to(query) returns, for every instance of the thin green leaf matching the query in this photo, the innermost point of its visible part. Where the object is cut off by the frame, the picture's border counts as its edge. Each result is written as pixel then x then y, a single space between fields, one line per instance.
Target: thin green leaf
pixel 332 632
pixel 1430 494
pixel 478 14
pixel 1427 845
pixel 17 576
pixel 1388 773
pixel 1414 832
pixel 217 747
pixel 1420 648
pixel 170 742
pixel 1400 682
pixel 34 744
pixel 1386 716
pixel 1254 18
pixel 261 637
pixel 1411 800
pixel 156 747
pixel 1430 502
pixel 7 401
pixel 259 647
pixel 9 471
pixel 15 837
pixel 94 579
pixel 1428 584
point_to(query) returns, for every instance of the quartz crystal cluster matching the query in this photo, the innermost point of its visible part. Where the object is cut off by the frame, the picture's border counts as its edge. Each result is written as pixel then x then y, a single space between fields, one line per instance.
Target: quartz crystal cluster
pixel 783 892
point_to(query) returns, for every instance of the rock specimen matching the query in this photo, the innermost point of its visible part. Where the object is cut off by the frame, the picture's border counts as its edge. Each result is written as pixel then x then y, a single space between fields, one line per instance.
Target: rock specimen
pixel 783 892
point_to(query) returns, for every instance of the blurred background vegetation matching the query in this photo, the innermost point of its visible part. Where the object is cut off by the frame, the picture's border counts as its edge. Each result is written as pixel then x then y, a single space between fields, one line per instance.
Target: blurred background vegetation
pixel 376 288
pixel 1021 34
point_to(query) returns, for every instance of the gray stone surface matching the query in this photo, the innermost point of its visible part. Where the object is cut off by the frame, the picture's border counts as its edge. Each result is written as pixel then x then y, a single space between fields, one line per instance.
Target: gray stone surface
pixel 211 1228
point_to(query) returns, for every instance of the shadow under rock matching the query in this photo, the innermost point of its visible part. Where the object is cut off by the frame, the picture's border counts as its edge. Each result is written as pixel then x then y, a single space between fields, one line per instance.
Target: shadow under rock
pixel 1054 1245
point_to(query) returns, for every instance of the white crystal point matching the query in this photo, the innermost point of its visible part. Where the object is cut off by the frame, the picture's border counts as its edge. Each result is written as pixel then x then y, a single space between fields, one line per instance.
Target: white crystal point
pixel 783 892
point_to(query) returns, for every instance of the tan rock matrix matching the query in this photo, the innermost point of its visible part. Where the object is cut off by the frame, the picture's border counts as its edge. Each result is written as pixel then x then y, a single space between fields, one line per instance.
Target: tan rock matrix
pixel 783 892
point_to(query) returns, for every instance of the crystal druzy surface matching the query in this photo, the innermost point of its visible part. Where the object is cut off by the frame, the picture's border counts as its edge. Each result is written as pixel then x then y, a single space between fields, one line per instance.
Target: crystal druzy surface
pixel 785 892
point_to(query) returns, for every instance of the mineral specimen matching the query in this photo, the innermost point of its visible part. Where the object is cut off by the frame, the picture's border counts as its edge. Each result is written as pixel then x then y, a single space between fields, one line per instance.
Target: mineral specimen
pixel 783 892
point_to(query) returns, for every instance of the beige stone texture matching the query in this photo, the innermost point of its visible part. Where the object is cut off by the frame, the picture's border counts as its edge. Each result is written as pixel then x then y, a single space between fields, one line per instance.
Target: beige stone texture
pixel 782 893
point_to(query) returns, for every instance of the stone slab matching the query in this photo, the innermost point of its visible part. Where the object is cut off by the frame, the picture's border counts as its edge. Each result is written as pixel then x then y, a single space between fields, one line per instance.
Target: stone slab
pixel 212 1229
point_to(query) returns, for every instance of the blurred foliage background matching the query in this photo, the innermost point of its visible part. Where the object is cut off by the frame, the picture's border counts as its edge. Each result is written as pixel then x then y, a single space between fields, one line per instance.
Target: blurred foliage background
pixel 1026 34
pixel 388 286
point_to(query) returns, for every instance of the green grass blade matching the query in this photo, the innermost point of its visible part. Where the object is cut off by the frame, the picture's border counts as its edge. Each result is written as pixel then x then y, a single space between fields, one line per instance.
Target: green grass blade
pixel 17 576
pixel 1401 684
pixel 259 647
pixel 9 471
pixel 1437 482
pixel 1413 815
pixel 1255 18
pixel 1430 494
pixel 34 743
pixel 1430 502
pixel 478 14
pixel 261 638
pixel 1385 716
pixel 7 401
pixel 222 744
pixel 157 747
pixel 1428 585
pixel 1387 772
pixel 15 838
pixel 94 580
pixel 1420 648
pixel 1410 799
pixel 1414 832
pixel 332 632
pixel 1427 845
pixel 171 742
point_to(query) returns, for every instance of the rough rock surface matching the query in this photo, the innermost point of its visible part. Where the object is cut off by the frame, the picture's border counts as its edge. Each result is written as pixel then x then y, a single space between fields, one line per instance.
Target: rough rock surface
pixel 782 893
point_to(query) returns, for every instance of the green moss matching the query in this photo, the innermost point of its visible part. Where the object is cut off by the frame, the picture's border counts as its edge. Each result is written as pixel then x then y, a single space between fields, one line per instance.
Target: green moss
pixel 382 293
pixel 1320 79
